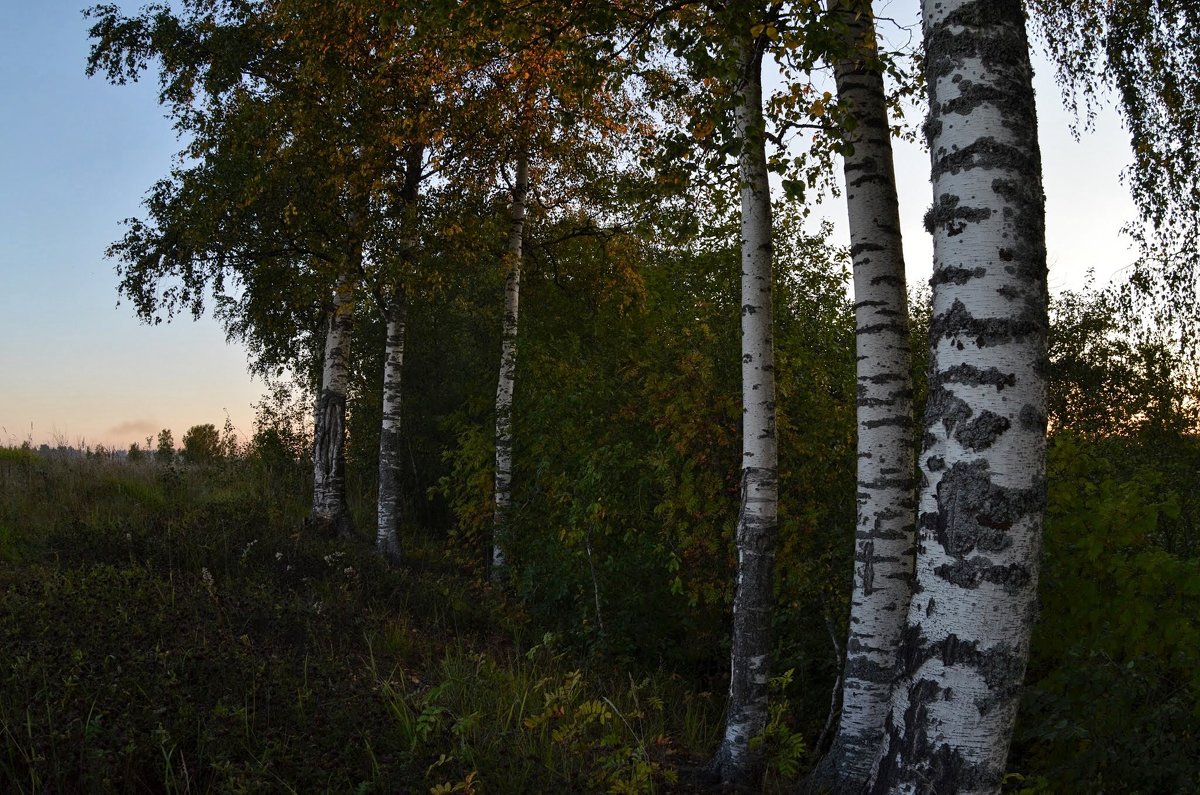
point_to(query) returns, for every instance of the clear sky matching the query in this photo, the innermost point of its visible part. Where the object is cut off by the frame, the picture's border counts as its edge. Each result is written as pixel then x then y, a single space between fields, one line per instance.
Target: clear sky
pixel 77 155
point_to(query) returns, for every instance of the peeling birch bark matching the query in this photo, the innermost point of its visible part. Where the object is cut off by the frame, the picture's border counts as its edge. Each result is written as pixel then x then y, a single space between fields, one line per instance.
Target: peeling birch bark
pixel 735 762
pixel 966 640
pixel 330 512
pixel 387 539
pixel 886 509
pixel 508 371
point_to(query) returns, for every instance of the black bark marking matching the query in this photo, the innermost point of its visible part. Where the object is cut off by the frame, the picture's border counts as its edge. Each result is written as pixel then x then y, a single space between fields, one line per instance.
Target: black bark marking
pixel 958 321
pixel 987 153
pixel 970 573
pixel 945 407
pixel 976 376
pixel 947 213
pixel 868 560
pixel 983 431
pixel 1031 418
pixel 955 275
pixel 865 669
pixel 899 422
pixel 975 514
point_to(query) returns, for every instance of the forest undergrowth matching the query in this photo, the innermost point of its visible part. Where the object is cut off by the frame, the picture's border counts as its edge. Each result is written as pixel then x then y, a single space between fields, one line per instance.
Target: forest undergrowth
pixel 175 629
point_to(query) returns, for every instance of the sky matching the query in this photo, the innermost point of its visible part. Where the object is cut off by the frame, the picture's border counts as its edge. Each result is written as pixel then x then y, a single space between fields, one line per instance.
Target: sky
pixel 77 156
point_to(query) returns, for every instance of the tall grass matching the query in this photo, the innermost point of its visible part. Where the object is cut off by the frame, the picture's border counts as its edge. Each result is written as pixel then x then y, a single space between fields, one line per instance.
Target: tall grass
pixel 176 630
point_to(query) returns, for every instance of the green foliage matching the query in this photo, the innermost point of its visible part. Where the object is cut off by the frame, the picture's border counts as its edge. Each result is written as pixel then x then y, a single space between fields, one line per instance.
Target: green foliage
pixel 1113 375
pixel 1147 57
pixel 628 454
pixel 165 452
pixel 781 746
pixel 202 445
pixel 1114 693
pixel 166 630
pixel 526 722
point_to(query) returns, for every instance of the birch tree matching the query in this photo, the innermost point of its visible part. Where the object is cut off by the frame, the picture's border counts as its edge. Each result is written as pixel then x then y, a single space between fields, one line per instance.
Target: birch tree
pixel 508 365
pixel 966 639
pixel 736 762
pixel 559 103
pixel 886 510
pixel 730 85
pixel 330 511
pixel 392 300
pixel 387 538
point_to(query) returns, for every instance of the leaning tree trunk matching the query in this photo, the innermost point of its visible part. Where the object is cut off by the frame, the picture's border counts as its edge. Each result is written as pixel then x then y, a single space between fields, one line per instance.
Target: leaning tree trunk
pixel 508 372
pixel 387 538
pixel 886 500
pixel 330 512
pixel 982 503
pixel 736 762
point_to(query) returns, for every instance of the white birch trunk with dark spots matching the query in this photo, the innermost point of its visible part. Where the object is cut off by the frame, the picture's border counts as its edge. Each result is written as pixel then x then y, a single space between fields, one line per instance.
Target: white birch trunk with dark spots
pixel 982 501
pixel 508 371
pixel 883 558
pixel 330 512
pixel 387 538
pixel 736 762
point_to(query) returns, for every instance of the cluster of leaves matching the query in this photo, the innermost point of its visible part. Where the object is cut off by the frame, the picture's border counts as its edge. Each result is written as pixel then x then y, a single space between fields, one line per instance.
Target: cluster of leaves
pixel 1114 693
pixel 1147 54
pixel 529 719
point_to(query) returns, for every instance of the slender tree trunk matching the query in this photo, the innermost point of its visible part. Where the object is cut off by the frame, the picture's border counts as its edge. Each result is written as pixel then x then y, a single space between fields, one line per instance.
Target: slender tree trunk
pixel 330 512
pixel 736 762
pixel 982 503
pixel 394 305
pixel 387 539
pixel 508 371
pixel 883 559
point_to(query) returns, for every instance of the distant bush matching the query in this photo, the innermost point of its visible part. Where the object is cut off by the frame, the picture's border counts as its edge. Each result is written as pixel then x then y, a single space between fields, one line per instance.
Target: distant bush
pixel 201 444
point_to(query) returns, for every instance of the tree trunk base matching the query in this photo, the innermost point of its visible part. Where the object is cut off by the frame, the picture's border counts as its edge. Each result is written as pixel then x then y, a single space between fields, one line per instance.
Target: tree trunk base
pixel 721 775
pixel 339 526
pixel 824 779
pixel 389 548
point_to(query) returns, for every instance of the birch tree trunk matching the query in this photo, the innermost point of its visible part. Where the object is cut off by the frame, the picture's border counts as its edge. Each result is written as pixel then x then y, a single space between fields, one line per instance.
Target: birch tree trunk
pixel 330 512
pixel 508 371
pixel 394 305
pixel 736 763
pixel 387 539
pixel 966 642
pixel 886 499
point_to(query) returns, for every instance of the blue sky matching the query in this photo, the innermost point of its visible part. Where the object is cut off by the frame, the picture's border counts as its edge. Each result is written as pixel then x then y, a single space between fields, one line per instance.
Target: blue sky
pixel 77 155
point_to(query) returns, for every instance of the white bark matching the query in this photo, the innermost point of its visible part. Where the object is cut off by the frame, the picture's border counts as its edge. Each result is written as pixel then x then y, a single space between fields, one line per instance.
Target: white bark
pixel 982 500
pixel 387 539
pixel 736 762
pixel 330 513
pixel 394 305
pixel 508 371
pixel 886 499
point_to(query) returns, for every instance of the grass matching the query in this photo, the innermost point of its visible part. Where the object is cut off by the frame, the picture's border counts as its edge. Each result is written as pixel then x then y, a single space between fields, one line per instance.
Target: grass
pixel 171 630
